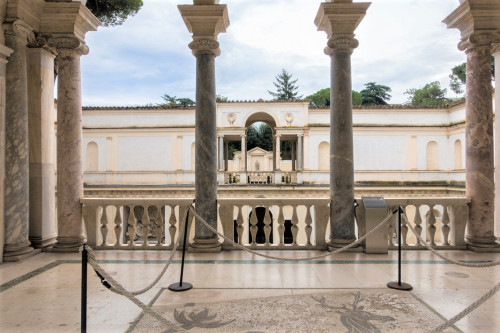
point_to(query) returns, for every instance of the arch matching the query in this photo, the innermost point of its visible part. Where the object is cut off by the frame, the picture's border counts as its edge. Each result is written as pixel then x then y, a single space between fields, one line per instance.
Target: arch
pixel 262 116
pixel 324 156
pixel 92 160
pixel 458 155
pixel 432 155
pixel 193 155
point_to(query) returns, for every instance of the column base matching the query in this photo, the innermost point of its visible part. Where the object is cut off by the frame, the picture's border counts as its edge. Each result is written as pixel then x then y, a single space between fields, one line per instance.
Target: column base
pixel 68 244
pixel 13 257
pixel 42 242
pixel 337 243
pixel 211 245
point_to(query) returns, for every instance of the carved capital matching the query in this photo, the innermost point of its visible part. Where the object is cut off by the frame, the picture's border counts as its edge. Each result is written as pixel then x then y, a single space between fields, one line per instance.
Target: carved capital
pixel 42 41
pixel 475 40
pixel 341 43
pixel 19 29
pixel 496 48
pixel 206 45
pixel 68 43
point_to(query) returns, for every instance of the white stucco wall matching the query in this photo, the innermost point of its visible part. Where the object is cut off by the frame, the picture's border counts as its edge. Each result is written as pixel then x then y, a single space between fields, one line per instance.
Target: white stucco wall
pixel 144 153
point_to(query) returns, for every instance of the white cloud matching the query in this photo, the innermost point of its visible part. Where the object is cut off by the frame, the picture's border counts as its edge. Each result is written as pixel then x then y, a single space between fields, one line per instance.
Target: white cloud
pixel 403 44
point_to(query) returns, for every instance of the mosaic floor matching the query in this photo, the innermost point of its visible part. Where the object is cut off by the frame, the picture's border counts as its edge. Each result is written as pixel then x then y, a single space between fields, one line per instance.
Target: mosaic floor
pixel 42 293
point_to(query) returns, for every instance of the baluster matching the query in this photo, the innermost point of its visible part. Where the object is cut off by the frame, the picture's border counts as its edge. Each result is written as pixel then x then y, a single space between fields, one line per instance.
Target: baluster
pixel 281 225
pixel 431 222
pixel 417 221
pixel 308 222
pixel 295 228
pixel 104 227
pixel 132 226
pixel 172 221
pixel 253 227
pixel 404 229
pixel 390 226
pixel 267 224
pixel 239 222
pixel 159 226
pixel 118 225
pixel 145 225
pixel 445 228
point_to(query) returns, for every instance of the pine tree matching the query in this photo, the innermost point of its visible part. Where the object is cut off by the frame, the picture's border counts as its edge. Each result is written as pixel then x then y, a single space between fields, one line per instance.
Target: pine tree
pixel 286 88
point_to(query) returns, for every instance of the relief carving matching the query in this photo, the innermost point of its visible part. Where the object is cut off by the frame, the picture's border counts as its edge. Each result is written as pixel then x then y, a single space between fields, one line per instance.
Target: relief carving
pixel 207 45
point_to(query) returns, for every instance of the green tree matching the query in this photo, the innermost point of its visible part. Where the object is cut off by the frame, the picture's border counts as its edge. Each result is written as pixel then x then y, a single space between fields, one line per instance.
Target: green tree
pixel 375 94
pixel 171 100
pixel 458 76
pixel 185 102
pixel 322 98
pixel 114 12
pixel 220 98
pixel 430 94
pixel 286 87
pixel 260 134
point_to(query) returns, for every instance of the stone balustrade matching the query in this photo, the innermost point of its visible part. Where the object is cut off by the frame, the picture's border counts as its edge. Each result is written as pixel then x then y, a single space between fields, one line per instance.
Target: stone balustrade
pixel 278 224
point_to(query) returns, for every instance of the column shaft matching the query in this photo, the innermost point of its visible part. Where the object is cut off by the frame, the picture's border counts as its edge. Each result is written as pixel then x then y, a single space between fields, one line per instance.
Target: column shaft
pixel 244 152
pixel 479 147
pixel 69 151
pixel 221 153
pixel 278 153
pixel 294 156
pixel 497 140
pixel 299 153
pixel 274 154
pixel 16 206
pixel 206 148
pixel 226 156
pixel 341 150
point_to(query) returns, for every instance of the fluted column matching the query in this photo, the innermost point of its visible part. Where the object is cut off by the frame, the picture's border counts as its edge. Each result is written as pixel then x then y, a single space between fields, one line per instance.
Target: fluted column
pixel 205 20
pixel 69 143
pixel 339 19
pixel 16 206
pixel 479 169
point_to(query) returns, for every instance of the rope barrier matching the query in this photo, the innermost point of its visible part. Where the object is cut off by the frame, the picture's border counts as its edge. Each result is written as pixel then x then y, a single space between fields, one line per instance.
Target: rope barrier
pixel 468 310
pixel 456 262
pixel 357 242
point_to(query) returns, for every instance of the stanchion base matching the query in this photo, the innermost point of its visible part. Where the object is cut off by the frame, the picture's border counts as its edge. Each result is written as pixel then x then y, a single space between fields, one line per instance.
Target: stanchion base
pixel 402 286
pixel 177 286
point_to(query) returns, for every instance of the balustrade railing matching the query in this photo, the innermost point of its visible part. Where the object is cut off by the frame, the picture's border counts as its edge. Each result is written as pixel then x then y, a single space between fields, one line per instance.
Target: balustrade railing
pixel 268 224
pixel 260 177
pixel 441 221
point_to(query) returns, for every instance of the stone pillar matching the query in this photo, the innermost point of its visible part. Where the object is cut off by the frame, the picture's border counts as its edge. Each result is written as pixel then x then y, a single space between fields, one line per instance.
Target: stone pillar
pixel 244 152
pixel 274 154
pixel 278 152
pixel 221 153
pixel 69 143
pixel 5 52
pixel 496 53
pixel 300 153
pixel 339 19
pixel 205 20
pixel 42 231
pixel 479 168
pixel 16 206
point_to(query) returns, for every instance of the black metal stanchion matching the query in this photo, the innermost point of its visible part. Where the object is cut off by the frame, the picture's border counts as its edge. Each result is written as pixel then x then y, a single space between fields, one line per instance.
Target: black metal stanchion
pixel 182 286
pixel 84 289
pixel 398 284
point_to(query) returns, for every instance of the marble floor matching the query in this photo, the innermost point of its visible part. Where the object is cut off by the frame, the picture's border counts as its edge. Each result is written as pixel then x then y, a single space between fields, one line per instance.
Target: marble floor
pixel 42 293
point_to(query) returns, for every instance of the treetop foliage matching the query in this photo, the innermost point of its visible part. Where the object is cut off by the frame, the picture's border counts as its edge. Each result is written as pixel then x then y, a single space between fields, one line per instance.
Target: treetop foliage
pixel 286 87
pixel 430 94
pixel 458 77
pixel 375 94
pixel 260 134
pixel 174 101
pixel 113 12
pixel 322 98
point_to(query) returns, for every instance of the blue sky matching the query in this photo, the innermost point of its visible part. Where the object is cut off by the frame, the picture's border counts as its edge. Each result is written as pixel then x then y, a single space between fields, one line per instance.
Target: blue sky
pixel 402 44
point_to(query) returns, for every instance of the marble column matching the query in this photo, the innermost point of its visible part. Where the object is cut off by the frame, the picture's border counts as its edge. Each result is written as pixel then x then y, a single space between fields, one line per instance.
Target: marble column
pixel 42 231
pixel 479 25
pixel 221 153
pixel 278 152
pixel 5 52
pixel 496 53
pixel 300 153
pixel 69 144
pixel 339 19
pixel 16 206
pixel 244 152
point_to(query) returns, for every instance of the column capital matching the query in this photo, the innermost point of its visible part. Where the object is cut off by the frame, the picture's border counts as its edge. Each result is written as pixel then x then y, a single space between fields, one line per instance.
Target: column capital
pixel 300 135
pixel 68 43
pixel 496 48
pixel 243 136
pixel 19 29
pixel 205 20
pixel 478 22
pixel 339 19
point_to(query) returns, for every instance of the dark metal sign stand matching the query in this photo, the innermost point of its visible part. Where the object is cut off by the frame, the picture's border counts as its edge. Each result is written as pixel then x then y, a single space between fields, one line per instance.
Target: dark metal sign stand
pixel 398 284
pixel 182 286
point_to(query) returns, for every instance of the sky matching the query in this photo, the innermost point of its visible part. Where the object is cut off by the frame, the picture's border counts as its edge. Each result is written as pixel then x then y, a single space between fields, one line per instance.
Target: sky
pixel 402 44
